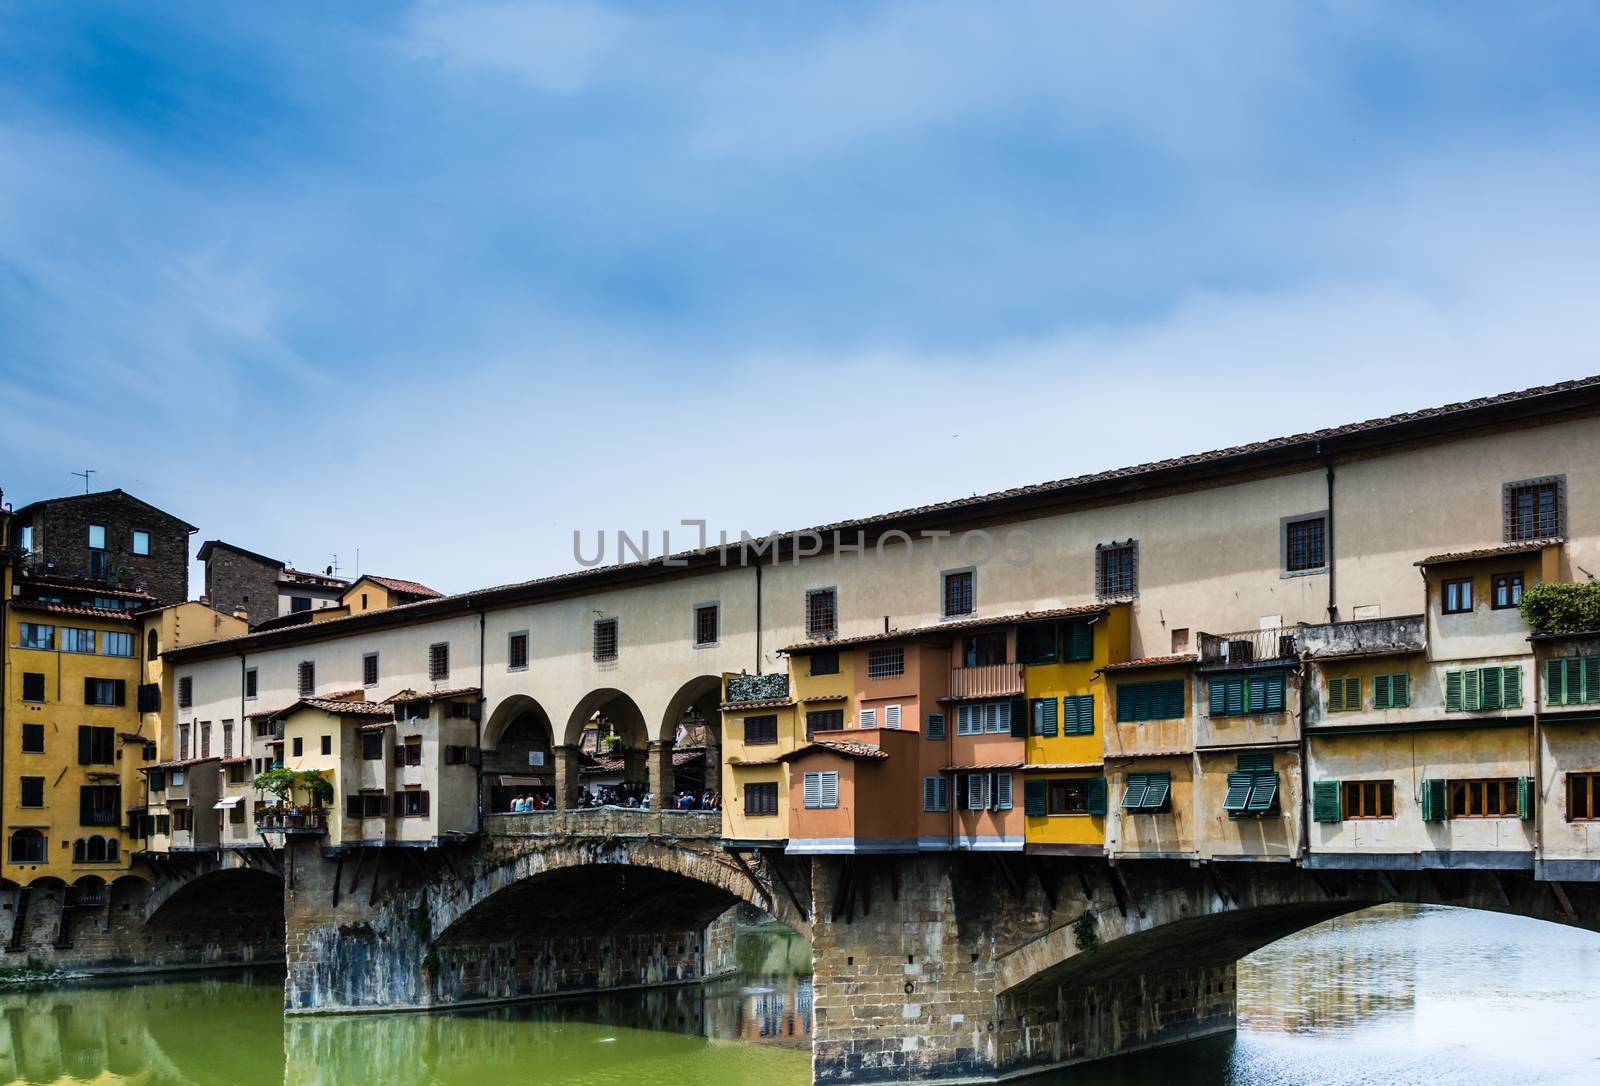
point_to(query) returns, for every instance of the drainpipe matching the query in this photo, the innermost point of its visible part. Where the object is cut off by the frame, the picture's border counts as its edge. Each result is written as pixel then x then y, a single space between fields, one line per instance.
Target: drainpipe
pixel 758 614
pixel 1333 603
pixel 477 726
pixel 1538 768
pixel 1305 758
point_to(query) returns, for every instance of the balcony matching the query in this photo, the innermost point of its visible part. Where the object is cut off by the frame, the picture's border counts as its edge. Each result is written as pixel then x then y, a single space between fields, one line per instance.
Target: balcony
pixel 313 821
pixel 986 681
pixel 1365 637
pixel 1246 648
pixel 742 688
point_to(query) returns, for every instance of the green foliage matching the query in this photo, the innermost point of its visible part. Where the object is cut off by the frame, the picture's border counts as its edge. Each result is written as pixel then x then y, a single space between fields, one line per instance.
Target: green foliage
pixel 1086 933
pixel 1569 607
pixel 281 781
pixel 421 923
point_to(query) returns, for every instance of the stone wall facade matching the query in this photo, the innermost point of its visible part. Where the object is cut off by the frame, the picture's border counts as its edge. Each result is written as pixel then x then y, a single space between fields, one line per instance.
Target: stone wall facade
pixel 115 936
pixel 61 543
pixel 241 582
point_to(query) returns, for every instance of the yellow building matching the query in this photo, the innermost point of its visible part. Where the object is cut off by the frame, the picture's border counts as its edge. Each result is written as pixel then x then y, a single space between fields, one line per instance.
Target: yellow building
pixel 1064 785
pixel 759 726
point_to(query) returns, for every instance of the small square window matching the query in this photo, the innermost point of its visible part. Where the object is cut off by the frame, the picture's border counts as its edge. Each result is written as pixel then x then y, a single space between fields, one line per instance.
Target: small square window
pixel 141 542
pixel 1456 596
pixel 33 686
pixel 707 628
pixel 299 746
pixel 605 639
pixel 824 663
pixel 959 596
pixel 1117 570
pixel 517 651
pixel 1304 543
pixel 327 744
pixel 33 739
pixel 822 613
pixel 1507 591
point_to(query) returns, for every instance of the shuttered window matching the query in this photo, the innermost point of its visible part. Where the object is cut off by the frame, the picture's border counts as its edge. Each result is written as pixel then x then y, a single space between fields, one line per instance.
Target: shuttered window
pixel 1474 689
pixel 1078 640
pixel 33 687
pixel 1572 680
pixel 1506 797
pixel 1161 700
pixel 1252 787
pixel 1246 694
pixel 104 691
pixel 935 794
pixel 1033 798
pixel 1435 800
pixel 1000 798
pixel 821 790
pixel 1044 713
pixel 869 718
pixel 1077 714
pixel 1344 694
pixel 1147 792
pixel 891 716
pixel 977 798
pixel 760 729
pixel 1391 691
pixel 979 718
pixel 936 726
pixel 761 799
pixel 96 746
pixel 824 720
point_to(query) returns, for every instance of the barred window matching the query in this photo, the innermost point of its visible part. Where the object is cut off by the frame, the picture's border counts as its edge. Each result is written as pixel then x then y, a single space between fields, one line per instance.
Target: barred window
pixel 1304 543
pixel 369 669
pixel 1117 570
pixel 958 593
pixel 307 678
pixel 438 661
pixel 1535 509
pixel 886 663
pixel 605 639
pixel 822 613
pixel 517 651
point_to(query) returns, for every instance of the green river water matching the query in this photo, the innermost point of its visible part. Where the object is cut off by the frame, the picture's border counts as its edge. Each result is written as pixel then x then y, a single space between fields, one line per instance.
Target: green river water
pixel 1395 995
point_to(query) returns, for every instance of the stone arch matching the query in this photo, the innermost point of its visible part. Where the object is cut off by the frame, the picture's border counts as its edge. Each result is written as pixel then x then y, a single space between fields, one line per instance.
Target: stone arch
pixel 617 762
pixel 232 893
pixel 518 753
pixel 588 878
pixel 616 708
pixel 691 729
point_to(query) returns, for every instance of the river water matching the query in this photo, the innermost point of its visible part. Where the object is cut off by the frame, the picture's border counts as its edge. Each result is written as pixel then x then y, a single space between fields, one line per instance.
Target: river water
pixel 1394 995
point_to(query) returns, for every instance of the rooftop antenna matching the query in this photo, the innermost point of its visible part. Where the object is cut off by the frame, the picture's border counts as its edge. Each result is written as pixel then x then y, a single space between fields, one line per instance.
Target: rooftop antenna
pixel 84 475
pixel 333 570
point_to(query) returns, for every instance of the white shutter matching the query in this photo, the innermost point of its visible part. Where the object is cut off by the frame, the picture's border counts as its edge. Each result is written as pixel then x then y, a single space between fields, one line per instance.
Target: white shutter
pixel 869 718
pixel 813 789
pixel 1002 792
pixel 891 716
pixel 830 789
pixel 964 716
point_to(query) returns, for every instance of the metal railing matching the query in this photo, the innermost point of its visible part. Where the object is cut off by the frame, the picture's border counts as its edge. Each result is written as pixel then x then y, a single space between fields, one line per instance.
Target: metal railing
pixel 1245 647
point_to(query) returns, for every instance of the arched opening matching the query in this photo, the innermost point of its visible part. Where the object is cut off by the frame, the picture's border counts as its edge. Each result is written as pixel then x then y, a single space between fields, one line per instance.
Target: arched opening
pixel 151 646
pixel 608 733
pixel 27 846
pixel 518 757
pixel 692 725
pixel 243 899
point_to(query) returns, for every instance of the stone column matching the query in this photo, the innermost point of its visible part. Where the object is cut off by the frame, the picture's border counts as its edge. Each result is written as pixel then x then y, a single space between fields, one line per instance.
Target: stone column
pixel 658 763
pixel 566 758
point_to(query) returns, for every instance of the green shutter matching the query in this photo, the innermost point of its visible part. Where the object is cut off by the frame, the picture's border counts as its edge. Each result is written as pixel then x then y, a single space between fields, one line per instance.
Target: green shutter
pixel 1263 793
pixel 1255 763
pixel 1238 793
pixel 1044 717
pixel 1435 800
pixel 1217 693
pixel 1155 796
pixel 1097 795
pixel 1525 797
pixel 1591 679
pixel 1080 641
pixel 1275 693
pixel 1452 691
pixel 1335 695
pixel 1344 694
pixel 1511 687
pixel 1019 718
pixel 1077 714
pixel 1382 691
pixel 1490 692
pixel 1033 798
pixel 1127 703
pixel 1471 691
pixel 1173 709
pixel 1133 796
pixel 1399 690
pixel 1325 801
pixel 1555 685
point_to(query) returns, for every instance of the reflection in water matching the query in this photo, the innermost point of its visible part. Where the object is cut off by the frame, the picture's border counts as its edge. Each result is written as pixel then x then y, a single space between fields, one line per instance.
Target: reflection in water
pixel 1394 995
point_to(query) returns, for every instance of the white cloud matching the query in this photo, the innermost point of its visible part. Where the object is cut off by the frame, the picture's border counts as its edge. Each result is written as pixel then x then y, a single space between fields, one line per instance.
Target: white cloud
pixel 555 46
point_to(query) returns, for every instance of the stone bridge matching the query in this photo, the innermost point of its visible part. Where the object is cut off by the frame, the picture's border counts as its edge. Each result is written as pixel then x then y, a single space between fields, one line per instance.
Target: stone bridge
pixel 960 966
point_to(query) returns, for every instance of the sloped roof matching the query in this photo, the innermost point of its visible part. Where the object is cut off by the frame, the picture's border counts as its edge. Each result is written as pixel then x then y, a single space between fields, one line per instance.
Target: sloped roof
pixel 204 553
pixel 395 584
pixel 69 609
pixel 850 748
pixel 430 695
pixel 955 626
pixel 338 707
pixel 1152 661
pixel 115 492
pixel 1527 546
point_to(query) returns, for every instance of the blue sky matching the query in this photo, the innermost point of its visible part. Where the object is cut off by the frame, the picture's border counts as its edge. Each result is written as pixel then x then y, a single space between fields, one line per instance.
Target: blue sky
pixel 446 282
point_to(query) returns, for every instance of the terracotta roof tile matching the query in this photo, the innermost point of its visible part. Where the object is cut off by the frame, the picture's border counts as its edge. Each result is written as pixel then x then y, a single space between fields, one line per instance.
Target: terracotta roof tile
pixel 1152 661
pixel 340 708
pixel 180 763
pixel 241 760
pixel 977 766
pixel 1524 547
pixel 430 695
pixel 410 588
pixel 68 609
pixel 87 588
pixel 947 627
pixel 850 748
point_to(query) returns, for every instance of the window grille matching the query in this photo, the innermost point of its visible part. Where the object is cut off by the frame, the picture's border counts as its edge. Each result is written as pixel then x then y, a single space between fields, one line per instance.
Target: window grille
pixel 958 593
pixel 1306 544
pixel 822 613
pixel 1535 509
pixel 886 663
pixel 1117 570
pixel 605 639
